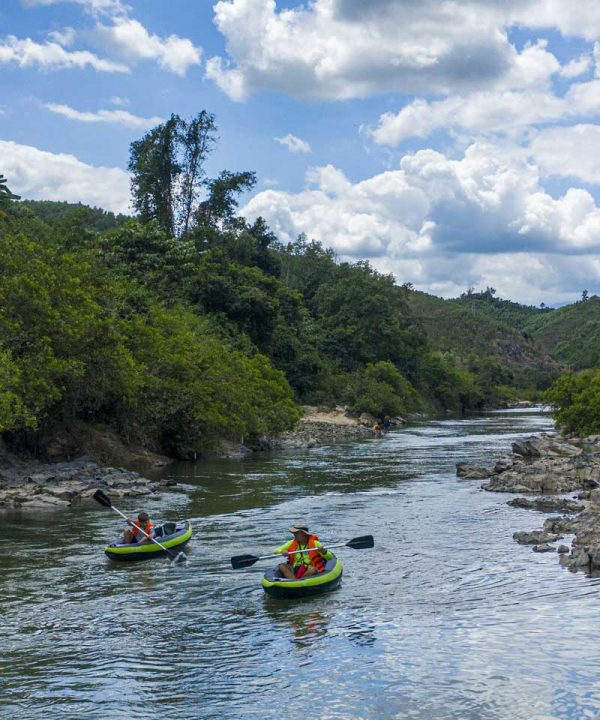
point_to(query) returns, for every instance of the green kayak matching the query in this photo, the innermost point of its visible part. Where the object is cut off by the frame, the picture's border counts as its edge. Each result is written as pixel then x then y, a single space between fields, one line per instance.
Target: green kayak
pixel 171 535
pixel 279 587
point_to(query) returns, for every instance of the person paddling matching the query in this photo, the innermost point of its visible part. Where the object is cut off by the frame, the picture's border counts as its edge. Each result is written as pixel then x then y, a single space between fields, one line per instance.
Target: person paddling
pixel 302 564
pixel 134 535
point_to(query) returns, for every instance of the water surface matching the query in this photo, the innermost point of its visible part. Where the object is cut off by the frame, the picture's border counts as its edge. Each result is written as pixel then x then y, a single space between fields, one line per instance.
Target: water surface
pixel 446 618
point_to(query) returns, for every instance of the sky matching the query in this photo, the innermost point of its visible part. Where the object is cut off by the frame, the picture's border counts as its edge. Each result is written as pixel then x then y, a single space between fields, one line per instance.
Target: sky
pixel 452 143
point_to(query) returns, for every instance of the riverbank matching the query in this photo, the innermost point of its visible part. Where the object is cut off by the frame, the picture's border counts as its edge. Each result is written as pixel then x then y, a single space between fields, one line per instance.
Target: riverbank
pixel 29 484
pixel 549 467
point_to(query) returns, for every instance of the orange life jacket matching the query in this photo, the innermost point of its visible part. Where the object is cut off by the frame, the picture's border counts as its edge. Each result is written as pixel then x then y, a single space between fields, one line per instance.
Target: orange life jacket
pixel 147 528
pixel 315 558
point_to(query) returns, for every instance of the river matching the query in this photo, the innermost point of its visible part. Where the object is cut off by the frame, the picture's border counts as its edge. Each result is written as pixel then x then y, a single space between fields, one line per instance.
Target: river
pixel 446 618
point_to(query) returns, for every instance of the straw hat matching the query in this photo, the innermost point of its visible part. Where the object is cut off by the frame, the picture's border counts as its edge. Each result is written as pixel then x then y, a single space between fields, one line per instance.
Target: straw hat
pixel 299 527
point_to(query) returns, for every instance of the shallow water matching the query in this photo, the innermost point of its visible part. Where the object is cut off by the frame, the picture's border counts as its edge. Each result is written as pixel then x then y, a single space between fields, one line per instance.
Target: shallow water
pixel 446 618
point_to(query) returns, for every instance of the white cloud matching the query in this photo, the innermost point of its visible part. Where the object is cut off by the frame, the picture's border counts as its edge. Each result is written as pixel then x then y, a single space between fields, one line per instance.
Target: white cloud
pixel 130 40
pixel 569 151
pixel 313 51
pixel 38 175
pixel 340 49
pixel 64 37
pixel 119 101
pixel 52 56
pixel 445 224
pixel 576 67
pixel 506 112
pixel 117 117
pixel 294 144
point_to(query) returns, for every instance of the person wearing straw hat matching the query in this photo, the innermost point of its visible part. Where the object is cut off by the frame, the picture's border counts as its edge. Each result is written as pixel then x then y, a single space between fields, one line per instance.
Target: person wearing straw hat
pixel 302 564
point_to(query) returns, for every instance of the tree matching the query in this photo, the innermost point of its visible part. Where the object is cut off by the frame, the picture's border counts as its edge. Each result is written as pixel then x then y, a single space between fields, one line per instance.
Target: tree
pixel 218 210
pixel 167 167
pixel 5 193
pixel 155 170
pixel 584 296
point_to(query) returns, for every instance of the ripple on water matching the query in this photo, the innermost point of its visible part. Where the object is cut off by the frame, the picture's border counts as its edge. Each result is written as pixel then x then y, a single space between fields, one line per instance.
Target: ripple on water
pixel 445 618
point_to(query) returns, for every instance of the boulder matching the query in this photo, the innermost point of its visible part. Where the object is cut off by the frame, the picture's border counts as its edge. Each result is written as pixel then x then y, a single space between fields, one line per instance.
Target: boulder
pixel 543 548
pixel 536 537
pixel 472 472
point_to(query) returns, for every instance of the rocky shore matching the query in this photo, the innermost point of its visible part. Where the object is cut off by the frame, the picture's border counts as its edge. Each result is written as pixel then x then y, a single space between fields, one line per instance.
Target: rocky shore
pixel 325 426
pixel 549 467
pixel 28 484
pixel 31 485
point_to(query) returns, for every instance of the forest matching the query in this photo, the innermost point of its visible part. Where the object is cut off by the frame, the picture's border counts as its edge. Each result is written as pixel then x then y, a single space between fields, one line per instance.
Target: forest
pixel 185 324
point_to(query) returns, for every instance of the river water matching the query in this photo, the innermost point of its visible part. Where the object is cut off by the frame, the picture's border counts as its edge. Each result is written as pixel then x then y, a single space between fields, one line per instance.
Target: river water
pixel 446 618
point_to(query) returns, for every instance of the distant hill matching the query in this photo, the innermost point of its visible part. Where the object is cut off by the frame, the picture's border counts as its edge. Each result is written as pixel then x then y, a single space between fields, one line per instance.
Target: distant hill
pixel 571 334
pixel 471 331
pixel 59 214
pixel 508 312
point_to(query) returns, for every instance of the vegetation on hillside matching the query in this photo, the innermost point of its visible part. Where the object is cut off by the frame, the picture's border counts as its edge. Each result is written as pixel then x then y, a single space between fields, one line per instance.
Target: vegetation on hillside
pixel 187 324
pixel 575 399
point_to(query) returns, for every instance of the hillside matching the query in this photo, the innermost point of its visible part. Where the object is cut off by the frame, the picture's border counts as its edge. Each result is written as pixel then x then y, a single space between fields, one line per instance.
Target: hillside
pixel 476 339
pixel 507 312
pixel 571 334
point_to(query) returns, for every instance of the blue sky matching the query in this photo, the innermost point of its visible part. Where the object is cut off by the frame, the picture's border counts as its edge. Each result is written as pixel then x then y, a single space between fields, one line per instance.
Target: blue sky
pixel 453 143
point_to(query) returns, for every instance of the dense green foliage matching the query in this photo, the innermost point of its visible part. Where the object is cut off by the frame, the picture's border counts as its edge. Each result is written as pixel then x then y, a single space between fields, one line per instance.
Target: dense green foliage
pixel 505 362
pixel 507 312
pixel 188 325
pixel 571 334
pixel 575 399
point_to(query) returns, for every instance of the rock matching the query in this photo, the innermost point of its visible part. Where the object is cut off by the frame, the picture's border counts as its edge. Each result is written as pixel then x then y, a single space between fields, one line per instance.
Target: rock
pixel 548 505
pixel 594 496
pixel 536 537
pixel 45 502
pixel 503 465
pixel 543 548
pixel 562 549
pixel 526 448
pixel 472 472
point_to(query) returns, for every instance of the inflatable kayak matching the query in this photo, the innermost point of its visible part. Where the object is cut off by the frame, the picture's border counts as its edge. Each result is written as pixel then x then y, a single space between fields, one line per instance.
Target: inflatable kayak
pixel 171 535
pixel 275 585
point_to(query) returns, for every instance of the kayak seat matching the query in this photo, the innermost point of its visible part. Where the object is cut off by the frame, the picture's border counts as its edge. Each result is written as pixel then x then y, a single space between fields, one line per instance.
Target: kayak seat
pixel 169 528
pixel 158 531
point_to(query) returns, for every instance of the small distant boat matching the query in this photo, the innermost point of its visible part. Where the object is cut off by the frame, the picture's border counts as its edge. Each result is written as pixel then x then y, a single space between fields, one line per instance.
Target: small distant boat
pixel 275 585
pixel 173 535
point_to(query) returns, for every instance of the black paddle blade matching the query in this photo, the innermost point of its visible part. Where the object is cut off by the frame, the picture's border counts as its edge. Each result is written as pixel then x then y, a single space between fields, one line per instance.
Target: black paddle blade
pixel 100 497
pixel 361 543
pixel 181 557
pixel 242 561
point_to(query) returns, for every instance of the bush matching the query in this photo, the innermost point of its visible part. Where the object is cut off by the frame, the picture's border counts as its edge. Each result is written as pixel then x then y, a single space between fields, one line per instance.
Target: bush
pixel 575 399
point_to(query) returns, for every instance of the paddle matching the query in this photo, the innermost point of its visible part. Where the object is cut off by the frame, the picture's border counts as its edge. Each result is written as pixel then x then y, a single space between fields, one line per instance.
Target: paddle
pixel 358 543
pixel 103 499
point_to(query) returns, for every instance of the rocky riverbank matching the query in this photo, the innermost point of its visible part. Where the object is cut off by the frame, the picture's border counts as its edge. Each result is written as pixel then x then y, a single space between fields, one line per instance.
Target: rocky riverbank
pixel 32 485
pixel 550 466
pixel 328 426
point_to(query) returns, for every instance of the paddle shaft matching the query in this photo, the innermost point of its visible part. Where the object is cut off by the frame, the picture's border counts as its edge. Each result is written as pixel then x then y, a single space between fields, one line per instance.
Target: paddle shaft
pixel 293 552
pixel 169 552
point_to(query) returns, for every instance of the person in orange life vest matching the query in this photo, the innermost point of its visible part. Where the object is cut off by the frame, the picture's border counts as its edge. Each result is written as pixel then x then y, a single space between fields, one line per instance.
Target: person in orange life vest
pixel 134 535
pixel 303 564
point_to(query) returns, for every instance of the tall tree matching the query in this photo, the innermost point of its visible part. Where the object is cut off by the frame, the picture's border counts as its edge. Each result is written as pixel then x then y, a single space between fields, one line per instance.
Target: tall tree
pixel 154 167
pixel 167 167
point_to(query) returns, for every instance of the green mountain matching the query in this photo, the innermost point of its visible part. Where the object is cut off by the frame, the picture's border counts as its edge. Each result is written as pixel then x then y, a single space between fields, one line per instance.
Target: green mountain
pixel 571 334
pixel 471 330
